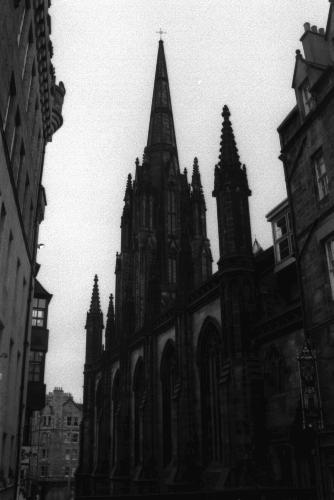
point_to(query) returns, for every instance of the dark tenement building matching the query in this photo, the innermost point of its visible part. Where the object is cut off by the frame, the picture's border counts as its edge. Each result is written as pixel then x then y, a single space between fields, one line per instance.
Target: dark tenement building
pixel 224 381
pixel 30 113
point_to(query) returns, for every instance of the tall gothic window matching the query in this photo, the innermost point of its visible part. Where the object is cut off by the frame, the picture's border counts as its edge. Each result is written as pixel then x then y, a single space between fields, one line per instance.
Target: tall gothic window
pixel 171 211
pixel 116 403
pixel 204 265
pixel 98 422
pixel 321 175
pixel 274 372
pixel 138 390
pixel 172 269
pixel 143 211
pixel 208 360
pixel 168 375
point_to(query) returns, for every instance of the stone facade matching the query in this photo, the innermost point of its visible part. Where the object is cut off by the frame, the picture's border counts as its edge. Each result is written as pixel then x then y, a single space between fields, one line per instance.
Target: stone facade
pixel 218 382
pixel 55 439
pixel 308 154
pixel 30 112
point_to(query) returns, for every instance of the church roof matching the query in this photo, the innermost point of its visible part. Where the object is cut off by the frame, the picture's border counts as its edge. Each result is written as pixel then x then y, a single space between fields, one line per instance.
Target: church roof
pixel 161 133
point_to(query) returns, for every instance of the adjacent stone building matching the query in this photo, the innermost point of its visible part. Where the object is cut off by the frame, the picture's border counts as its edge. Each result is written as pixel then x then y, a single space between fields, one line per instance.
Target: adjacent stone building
pixel 307 141
pixel 36 386
pixel 55 440
pixel 219 382
pixel 30 113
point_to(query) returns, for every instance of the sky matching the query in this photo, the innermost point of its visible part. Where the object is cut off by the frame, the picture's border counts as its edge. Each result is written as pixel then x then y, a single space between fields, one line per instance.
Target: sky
pixel 218 52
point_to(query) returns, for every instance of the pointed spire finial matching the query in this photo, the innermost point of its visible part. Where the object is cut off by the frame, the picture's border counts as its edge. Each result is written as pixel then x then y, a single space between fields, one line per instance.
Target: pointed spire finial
pixel 95 301
pixel 111 313
pixel 128 188
pixel 196 177
pixel 229 156
pixel 160 32
pixel 226 112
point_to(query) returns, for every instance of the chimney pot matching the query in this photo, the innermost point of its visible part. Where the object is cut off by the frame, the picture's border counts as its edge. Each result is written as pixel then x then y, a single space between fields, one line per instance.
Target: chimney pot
pixel 321 31
pixel 314 29
pixel 307 26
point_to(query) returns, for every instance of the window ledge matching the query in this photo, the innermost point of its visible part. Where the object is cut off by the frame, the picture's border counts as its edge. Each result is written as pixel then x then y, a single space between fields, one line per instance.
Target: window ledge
pixel 284 263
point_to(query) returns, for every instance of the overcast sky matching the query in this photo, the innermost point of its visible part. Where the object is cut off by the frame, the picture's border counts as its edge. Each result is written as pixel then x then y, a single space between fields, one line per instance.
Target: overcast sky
pixel 218 52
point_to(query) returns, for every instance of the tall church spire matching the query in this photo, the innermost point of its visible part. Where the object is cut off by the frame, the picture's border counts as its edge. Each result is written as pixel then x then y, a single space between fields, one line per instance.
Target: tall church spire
pixel 161 134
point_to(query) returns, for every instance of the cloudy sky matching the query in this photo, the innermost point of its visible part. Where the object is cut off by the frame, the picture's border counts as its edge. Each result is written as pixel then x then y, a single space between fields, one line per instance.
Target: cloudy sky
pixel 218 52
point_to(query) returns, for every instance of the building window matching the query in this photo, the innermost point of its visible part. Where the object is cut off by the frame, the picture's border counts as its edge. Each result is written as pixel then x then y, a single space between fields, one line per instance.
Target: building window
pixel 172 269
pixel 274 372
pixel 308 101
pixel 321 176
pixel 171 211
pixel 67 471
pixel 36 367
pixel 45 453
pixel 67 454
pixel 205 266
pixel 38 312
pixel 44 471
pixel 74 454
pixel 330 262
pixel 168 374
pixel 138 389
pixel 208 360
pixel 75 438
pixel 116 405
pixel 143 211
pixel 69 420
pixel 76 421
pixel 283 237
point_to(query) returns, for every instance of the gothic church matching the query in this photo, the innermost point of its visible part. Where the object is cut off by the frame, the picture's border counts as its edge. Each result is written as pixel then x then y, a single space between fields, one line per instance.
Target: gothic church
pixel 197 385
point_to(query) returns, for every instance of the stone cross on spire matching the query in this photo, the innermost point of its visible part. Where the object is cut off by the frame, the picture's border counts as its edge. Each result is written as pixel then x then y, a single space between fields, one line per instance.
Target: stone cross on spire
pixel 160 32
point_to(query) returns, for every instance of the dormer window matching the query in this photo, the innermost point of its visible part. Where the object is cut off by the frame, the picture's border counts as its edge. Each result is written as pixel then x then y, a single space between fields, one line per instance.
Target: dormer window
pixel 308 101
pixel 38 312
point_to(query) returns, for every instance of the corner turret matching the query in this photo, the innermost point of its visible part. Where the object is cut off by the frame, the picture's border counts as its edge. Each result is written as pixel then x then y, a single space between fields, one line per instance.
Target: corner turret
pixel 232 192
